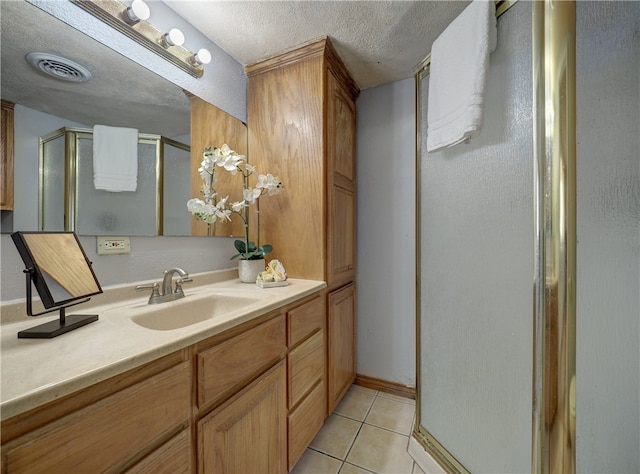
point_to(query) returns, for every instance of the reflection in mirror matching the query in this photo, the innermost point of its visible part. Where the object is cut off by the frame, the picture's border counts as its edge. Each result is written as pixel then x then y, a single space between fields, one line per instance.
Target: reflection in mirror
pixel 121 93
pixel 61 272
pixel 66 157
pixel 175 188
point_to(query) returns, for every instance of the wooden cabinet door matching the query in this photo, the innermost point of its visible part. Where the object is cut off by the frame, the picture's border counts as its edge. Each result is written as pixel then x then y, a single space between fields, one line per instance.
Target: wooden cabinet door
pixel 341 135
pixel 248 433
pixel 341 323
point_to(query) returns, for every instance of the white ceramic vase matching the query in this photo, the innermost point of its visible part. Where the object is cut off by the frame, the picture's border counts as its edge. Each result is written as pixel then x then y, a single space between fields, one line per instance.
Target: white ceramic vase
pixel 248 269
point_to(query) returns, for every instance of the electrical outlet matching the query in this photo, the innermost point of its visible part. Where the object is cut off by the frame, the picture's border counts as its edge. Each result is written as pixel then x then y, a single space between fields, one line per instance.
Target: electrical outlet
pixel 112 245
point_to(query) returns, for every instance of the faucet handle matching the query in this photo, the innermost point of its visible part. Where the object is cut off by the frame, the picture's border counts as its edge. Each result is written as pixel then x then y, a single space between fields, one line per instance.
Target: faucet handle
pixel 155 291
pixel 179 282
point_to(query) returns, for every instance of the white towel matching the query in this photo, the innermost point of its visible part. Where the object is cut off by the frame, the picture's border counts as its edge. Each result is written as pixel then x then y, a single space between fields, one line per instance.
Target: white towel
pixel 115 158
pixel 459 66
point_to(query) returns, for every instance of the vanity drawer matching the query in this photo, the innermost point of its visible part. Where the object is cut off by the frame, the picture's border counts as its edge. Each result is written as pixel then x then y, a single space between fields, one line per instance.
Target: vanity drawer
pixel 306 367
pixel 173 457
pixel 305 319
pixel 305 421
pixel 225 368
pixel 108 433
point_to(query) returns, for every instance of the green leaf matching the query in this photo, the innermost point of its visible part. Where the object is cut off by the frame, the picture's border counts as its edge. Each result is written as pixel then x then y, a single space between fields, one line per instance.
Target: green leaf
pixel 239 245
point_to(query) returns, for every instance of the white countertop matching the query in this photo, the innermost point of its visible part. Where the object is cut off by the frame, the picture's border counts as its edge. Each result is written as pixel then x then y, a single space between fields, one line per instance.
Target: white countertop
pixel 37 371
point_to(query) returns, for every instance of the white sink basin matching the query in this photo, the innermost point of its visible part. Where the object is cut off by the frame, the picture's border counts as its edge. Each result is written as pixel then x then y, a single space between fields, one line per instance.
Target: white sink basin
pixel 191 309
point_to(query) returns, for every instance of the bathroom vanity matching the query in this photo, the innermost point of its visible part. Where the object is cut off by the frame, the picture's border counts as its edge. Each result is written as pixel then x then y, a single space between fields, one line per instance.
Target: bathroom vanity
pixel 242 391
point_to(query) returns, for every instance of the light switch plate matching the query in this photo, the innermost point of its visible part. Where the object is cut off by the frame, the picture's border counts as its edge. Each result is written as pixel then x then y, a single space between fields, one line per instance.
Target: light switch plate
pixel 113 244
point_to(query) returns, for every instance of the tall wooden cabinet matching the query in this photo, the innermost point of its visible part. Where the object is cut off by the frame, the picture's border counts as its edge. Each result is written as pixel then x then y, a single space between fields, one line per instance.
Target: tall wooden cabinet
pixel 301 123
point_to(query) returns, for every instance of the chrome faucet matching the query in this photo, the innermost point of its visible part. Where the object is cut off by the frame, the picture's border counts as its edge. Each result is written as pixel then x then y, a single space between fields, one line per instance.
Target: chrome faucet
pixel 168 293
pixel 167 282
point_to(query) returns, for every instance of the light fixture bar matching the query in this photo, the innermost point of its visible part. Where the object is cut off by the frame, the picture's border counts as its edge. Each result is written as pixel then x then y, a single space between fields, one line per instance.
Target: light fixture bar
pixel 113 13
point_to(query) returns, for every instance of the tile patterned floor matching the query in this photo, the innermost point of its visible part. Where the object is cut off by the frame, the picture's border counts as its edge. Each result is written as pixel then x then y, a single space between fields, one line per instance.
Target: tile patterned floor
pixel 367 433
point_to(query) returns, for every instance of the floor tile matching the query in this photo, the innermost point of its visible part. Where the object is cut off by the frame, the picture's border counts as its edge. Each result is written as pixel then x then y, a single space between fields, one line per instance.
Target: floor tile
pixel 351 469
pixel 363 389
pixel 398 398
pixel 314 462
pixel 336 436
pixel 391 415
pixel 381 451
pixel 356 403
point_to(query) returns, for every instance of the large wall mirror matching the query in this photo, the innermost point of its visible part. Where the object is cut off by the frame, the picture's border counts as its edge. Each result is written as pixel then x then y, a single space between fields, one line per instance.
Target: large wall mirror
pixel 120 93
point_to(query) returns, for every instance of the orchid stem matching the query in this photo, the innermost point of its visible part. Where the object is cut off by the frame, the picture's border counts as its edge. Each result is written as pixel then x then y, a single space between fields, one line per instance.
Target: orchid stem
pixel 258 218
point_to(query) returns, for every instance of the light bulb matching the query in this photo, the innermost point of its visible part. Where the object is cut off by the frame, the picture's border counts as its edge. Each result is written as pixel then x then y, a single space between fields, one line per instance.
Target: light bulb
pixel 203 56
pixel 136 12
pixel 175 37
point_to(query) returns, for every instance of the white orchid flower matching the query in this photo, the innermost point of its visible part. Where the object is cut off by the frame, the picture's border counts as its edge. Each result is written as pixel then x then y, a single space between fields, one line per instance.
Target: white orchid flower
pixel 194 204
pixel 250 195
pixel 202 210
pixel 208 192
pixel 223 214
pixel 225 150
pixel 222 203
pixel 262 181
pixel 230 164
pixel 237 206
pixel 207 164
pixel 269 182
pixel 208 210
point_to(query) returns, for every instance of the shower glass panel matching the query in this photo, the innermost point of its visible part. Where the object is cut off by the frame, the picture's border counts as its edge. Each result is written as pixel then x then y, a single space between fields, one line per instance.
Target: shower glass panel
pixel 52 183
pixel 608 231
pixel 69 201
pixel 177 190
pixel 476 266
pixel 105 213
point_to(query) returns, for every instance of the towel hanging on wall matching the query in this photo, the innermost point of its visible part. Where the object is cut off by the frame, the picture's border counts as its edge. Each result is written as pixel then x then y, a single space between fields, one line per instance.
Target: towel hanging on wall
pixel 115 158
pixel 457 78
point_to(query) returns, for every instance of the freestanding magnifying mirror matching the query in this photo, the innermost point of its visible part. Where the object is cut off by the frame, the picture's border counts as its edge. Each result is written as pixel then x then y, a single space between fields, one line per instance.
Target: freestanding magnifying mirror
pixel 62 274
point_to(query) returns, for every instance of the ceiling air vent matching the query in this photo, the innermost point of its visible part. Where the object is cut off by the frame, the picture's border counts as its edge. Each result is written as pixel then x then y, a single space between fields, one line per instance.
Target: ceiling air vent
pixel 58 67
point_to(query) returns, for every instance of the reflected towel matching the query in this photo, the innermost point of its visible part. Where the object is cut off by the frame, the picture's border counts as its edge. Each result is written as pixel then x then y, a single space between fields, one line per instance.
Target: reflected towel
pixel 115 158
pixel 459 66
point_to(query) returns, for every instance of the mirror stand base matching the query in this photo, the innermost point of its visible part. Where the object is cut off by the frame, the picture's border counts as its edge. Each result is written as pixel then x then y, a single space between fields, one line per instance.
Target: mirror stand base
pixel 57 327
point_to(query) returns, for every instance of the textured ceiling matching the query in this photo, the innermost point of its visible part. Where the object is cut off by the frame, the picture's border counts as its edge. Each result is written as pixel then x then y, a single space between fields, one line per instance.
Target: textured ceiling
pixel 379 41
pixel 112 97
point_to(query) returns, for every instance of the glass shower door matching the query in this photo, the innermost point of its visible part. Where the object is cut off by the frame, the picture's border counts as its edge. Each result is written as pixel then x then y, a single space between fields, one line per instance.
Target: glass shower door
pixel 476 270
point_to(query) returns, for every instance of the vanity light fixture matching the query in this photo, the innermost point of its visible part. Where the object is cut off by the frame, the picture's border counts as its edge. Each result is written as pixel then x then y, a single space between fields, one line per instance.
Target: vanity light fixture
pixel 138 11
pixel 132 22
pixel 174 37
pixel 203 56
